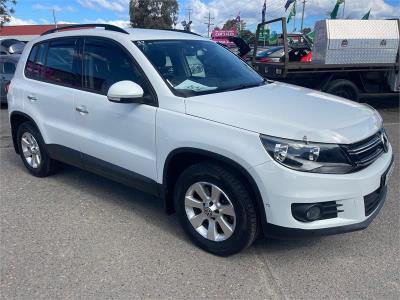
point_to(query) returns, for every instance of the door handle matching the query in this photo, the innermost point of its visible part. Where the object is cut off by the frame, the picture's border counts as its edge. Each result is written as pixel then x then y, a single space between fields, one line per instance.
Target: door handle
pixel 32 98
pixel 82 109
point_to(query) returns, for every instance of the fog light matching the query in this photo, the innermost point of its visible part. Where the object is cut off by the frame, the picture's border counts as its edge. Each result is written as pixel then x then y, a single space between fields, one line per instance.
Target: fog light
pixel 306 212
pixel 313 213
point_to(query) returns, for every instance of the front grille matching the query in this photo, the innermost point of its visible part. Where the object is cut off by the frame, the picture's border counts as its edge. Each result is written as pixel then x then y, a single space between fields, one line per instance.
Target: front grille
pixel 365 152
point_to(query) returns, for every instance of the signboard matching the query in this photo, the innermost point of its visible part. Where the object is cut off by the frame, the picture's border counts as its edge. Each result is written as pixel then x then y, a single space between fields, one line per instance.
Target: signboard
pixel 221 36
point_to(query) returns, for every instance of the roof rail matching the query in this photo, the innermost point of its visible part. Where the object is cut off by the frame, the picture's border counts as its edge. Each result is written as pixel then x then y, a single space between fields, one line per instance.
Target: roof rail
pixel 182 31
pixel 76 26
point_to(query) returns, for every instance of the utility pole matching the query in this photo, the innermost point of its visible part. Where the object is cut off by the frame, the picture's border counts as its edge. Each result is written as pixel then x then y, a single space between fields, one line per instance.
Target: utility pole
pixel 209 24
pixel 189 11
pixel 54 17
pixel 302 15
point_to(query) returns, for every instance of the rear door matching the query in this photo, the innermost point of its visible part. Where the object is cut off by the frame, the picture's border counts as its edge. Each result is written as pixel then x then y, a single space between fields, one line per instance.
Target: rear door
pixel 52 78
pixel 116 139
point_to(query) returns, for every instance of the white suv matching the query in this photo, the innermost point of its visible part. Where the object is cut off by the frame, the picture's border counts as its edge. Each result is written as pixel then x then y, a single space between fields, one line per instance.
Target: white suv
pixel 182 118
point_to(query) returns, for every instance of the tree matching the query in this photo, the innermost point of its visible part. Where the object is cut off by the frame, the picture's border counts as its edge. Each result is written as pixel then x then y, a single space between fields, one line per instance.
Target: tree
pixel 156 14
pixel 6 11
pixel 243 32
pixel 248 36
pixel 233 24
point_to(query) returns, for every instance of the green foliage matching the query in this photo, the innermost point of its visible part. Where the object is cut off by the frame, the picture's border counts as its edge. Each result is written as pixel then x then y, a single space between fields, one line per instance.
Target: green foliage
pixel 233 24
pixel 6 10
pixel 156 14
pixel 248 36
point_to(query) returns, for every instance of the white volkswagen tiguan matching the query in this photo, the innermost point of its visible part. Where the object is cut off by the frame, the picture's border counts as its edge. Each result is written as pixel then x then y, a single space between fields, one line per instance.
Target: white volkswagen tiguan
pixel 182 118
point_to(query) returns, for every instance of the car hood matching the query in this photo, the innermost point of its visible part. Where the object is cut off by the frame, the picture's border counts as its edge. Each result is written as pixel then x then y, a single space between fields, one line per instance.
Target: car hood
pixel 288 111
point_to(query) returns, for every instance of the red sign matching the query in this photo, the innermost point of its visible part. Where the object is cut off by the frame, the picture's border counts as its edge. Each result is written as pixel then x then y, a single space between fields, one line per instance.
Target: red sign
pixel 218 33
pixel 221 36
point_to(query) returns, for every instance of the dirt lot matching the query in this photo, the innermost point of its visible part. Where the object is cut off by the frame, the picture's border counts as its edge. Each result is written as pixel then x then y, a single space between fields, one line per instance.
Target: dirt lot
pixel 77 235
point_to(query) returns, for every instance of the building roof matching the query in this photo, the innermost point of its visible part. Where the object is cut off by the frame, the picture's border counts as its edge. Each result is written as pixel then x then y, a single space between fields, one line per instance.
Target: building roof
pixel 28 32
pixel 25 29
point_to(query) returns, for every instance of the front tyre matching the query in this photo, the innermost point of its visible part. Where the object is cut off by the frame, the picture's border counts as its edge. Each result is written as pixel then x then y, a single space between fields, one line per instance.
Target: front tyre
pixel 215 209
pixel 32 151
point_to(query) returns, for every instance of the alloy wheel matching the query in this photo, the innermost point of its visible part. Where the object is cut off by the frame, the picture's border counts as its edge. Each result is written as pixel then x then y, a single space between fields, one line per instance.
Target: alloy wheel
pixel 210 211
pixel 31 150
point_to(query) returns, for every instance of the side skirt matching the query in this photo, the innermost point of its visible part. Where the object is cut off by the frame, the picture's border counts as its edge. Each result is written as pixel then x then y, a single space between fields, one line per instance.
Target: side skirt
pixel 103 168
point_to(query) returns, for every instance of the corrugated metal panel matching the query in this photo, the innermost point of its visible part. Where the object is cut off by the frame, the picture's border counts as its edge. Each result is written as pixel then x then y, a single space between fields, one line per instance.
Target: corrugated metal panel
pixel 356 41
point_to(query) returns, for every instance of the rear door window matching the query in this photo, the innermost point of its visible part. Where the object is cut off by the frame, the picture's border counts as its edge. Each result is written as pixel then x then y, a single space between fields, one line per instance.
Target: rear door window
pixel 61 67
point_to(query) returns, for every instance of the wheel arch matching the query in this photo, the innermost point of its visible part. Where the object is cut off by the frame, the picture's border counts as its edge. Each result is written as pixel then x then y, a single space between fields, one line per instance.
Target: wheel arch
pixel 181 158
pixel 16 119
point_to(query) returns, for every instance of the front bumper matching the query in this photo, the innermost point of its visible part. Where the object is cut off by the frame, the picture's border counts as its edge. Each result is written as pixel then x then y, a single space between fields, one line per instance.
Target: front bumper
pixel 281 187
pixel 295 233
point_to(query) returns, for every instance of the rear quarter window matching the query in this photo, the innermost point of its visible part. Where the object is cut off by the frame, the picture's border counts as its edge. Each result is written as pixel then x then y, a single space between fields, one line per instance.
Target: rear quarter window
pixel 34 67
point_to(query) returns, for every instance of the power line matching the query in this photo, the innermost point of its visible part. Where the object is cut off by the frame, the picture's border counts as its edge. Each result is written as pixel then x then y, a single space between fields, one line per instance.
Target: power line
pixel 209 24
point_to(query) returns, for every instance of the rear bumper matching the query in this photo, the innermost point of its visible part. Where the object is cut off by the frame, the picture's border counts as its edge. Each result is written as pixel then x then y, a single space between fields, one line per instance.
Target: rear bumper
pixel 280 232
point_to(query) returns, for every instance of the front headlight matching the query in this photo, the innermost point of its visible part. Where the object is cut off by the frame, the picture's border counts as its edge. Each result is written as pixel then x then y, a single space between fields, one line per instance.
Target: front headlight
pixel 308 157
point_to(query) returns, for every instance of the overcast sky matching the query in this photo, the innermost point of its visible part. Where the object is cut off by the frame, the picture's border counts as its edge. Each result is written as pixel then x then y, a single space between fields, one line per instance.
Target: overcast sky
pixel 116 11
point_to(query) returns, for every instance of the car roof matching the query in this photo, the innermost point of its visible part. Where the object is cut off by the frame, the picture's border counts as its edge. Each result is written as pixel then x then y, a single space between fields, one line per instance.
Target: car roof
pixel 134 34
pixel 139 34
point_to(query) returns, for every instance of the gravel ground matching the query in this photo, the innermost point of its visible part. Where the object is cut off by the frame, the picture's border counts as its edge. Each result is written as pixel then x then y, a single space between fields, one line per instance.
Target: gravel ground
pixel 77 235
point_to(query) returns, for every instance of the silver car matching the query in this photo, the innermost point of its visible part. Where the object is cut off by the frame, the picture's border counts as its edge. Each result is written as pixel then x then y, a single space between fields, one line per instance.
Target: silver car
pixel 8 64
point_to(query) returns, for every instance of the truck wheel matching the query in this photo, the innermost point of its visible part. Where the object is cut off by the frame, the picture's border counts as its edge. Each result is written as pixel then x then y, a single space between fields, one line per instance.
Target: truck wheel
pixel 343 88
pixel 215 209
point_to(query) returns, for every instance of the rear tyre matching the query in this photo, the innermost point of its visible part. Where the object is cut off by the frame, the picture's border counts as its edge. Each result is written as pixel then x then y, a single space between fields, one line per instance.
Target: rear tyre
pixel 343 88
pixel 33 152
pixel 215 209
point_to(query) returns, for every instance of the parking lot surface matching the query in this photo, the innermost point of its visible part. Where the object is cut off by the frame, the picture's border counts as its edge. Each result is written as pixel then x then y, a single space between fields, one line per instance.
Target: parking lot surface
pixel 77 235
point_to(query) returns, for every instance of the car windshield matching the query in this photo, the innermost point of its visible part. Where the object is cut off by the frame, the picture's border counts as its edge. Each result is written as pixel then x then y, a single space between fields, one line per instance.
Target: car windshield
pixel 193 67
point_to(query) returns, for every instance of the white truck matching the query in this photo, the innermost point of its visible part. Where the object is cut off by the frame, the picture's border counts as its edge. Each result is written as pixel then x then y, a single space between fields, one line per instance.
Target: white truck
pixel 350 58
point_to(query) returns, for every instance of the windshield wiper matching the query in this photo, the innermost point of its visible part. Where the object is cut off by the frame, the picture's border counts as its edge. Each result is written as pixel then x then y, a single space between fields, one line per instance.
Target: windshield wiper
pixel 246 86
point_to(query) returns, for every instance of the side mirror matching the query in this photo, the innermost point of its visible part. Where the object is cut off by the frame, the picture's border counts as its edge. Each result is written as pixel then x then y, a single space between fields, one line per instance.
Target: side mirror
pixel 125 92
pixel 16 48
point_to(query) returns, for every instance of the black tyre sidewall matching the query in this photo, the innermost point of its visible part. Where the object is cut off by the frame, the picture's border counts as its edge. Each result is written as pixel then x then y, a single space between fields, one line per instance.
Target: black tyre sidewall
pixel 45 166
pixel 346 86
pixel 243 234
